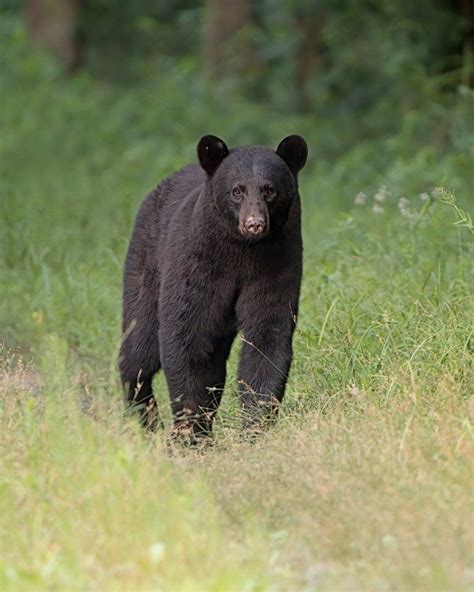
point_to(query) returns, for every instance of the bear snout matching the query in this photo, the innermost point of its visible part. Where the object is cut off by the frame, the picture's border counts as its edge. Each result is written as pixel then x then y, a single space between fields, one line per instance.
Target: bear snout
pixel 255 226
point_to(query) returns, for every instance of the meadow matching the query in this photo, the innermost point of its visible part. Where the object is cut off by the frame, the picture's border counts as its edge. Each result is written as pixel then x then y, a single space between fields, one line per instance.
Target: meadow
pixel 366 482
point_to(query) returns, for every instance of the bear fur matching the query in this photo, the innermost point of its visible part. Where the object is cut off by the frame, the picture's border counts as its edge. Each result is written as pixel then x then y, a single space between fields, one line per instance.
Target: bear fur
pixel 216 250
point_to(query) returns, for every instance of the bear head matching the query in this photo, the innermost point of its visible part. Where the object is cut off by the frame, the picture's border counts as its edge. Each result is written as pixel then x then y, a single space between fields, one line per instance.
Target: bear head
pixel 253 187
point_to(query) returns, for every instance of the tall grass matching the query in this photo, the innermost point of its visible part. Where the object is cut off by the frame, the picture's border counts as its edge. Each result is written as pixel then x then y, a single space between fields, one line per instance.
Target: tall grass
pixel 366 481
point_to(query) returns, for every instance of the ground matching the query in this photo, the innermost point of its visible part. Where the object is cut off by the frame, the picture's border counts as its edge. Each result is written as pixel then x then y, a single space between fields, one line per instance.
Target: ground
pixel 366 481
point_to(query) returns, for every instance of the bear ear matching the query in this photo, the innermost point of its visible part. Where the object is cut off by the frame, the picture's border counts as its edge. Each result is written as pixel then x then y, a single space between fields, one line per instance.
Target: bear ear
pixel 294 151
pixel 211 152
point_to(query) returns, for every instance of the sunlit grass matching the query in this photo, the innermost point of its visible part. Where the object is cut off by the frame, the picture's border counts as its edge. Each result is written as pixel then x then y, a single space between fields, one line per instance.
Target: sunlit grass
pixel 363 493
pixel 366 482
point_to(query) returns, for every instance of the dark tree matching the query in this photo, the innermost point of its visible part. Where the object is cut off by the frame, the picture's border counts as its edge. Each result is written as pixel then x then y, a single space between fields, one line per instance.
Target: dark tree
pixel 228 47
pixel 309 23
pixel 52 25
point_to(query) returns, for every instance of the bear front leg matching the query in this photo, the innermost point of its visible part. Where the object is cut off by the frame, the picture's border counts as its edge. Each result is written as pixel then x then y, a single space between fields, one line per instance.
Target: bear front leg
pixel 195 398
pixel 267 326
pixel 195 384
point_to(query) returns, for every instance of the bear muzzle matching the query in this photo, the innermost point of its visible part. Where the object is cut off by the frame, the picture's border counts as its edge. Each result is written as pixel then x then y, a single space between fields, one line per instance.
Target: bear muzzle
pixel 255 225
pixel 254 218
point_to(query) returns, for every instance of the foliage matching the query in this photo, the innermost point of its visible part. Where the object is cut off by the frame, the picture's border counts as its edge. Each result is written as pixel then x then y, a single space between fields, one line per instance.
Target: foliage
pixel 366 481
pixel 133 34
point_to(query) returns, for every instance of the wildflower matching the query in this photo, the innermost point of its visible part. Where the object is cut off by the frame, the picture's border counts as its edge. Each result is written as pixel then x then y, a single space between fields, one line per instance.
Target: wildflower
pixel 376 209
pixel 405 210
pixel 381 194
pixel 424 197
pixel 360 199
pixel 436 192
pixel 403 204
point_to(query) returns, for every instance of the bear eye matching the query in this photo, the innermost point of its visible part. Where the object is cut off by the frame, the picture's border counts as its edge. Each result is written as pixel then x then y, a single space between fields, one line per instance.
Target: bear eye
pixel 237 193
pixel 268 193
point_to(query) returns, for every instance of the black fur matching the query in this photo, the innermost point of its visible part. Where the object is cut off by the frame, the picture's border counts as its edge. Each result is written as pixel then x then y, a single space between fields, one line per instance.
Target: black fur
pixel 216 250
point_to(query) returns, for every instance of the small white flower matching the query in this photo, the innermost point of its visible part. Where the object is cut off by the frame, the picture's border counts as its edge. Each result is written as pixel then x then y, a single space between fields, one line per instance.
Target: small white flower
pixel 403 204
pixel 424 197
pixel 360 199
pixel 436 192
pixel 382 194
pixel 376 209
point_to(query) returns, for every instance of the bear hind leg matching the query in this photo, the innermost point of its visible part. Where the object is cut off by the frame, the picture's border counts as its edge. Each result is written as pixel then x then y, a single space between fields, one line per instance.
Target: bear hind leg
pixel 140 398
pixel 137 372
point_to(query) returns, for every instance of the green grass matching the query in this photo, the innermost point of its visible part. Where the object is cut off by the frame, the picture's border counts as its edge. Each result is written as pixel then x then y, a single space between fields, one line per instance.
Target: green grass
pixel 366 482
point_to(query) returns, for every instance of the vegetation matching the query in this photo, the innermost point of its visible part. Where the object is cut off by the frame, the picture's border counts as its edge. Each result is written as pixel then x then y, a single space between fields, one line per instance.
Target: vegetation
pixel 366 481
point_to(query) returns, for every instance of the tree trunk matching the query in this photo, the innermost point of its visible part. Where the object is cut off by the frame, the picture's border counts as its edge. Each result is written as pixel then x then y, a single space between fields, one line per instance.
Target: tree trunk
pixel 309 56
pixel 468 41
pixel 52 25
pixel 228 47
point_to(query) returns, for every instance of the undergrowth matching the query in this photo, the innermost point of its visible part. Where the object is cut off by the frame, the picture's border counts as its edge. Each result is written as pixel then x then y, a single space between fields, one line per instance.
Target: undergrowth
pixel 366 481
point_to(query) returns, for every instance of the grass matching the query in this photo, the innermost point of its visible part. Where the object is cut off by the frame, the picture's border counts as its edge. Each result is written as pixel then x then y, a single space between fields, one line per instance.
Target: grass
pixel 366 482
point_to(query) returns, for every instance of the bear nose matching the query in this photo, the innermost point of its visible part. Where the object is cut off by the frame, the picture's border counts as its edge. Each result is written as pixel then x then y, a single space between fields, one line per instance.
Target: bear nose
pixel 255 225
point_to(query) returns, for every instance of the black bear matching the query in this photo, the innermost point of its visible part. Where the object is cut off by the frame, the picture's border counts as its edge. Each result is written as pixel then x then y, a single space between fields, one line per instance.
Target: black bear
pixel 216 250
